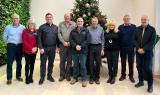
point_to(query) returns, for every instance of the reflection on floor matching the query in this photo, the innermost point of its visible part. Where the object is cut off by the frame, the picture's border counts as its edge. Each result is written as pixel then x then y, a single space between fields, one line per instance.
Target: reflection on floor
pixel 64 88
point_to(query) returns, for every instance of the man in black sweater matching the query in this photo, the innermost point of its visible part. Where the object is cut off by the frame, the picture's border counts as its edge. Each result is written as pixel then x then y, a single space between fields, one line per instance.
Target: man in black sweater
pixel 47 42
pixel 127 31
pixel 145 40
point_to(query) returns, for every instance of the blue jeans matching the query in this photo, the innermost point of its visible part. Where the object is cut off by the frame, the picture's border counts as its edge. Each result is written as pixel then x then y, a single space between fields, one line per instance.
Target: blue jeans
pixel 79 59
pixel 14 52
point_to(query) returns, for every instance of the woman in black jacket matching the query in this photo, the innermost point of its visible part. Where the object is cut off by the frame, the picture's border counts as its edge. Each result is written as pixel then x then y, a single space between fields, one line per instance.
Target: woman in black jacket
pixel 112 46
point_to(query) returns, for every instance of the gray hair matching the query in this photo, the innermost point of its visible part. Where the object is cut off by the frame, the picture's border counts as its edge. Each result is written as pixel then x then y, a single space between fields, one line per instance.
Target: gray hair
pixel 15 15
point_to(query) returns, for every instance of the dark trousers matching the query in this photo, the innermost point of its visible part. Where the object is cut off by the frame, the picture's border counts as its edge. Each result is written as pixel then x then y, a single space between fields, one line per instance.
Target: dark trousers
pixel 112 60
pixel 127 54
pixel 65 56
pixel 29 66
pixel 144 61
pixel 95 61
pixel 79 59
pixel 14 52
pixel 49 54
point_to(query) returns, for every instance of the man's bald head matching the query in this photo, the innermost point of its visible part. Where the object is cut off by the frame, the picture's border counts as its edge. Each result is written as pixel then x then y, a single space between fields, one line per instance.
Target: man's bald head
pixel 67 17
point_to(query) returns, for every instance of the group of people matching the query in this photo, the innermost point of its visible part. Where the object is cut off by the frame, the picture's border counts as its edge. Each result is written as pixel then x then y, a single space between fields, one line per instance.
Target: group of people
pixel 78 46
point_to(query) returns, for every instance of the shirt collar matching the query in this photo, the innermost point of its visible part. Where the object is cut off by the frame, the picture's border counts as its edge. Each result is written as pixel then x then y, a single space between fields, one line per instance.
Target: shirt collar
pixel 70 23
pixel 128 24
pixel 95 27
pixel 15 25
pixel 49 24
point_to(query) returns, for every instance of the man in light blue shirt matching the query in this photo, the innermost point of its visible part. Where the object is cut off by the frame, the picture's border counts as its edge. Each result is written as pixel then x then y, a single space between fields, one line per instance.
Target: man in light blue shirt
pixel 13 37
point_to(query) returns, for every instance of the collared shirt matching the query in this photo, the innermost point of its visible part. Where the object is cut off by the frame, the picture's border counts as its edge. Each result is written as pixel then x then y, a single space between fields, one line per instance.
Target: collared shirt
pixel 97 35
pixel 64 31
pixel 48 36
pixel 13 34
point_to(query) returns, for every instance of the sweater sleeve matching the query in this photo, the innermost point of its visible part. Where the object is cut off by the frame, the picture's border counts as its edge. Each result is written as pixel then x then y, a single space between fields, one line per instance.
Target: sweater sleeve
pixel 60 34
pixel 73 43
pixel 103 40
pixel 39 37
pixel 86 42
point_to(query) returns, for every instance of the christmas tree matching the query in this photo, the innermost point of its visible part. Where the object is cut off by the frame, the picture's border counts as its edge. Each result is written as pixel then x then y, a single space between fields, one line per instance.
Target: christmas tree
pixel 86 9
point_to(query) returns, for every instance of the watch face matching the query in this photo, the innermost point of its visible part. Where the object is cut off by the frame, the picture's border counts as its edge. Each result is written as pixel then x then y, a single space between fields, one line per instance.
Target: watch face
pixel 110 41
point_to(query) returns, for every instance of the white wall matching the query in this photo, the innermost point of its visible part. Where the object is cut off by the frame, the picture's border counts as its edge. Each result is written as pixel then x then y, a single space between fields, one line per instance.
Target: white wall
pixel 157 49
pixel 145 7
pixel 57 7
pixel 114 9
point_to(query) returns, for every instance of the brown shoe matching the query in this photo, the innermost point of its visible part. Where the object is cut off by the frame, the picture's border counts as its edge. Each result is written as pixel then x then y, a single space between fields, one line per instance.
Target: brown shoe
pixel 84 83
pixel 20 79
pixel 9 82
pixel 91 81
pixel 97 81
pixel 73 81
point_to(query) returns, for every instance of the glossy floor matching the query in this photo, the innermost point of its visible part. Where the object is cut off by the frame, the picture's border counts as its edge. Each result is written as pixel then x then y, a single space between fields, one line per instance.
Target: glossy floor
pixel 64 88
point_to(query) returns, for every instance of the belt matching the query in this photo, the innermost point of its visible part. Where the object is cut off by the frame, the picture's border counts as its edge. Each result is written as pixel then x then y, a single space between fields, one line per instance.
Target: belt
pixel 95 44
pixel 14 44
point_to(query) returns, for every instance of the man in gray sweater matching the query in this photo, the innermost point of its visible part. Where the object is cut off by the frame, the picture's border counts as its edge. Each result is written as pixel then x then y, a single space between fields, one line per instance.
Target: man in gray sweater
pixel 95 49
pixel 65 28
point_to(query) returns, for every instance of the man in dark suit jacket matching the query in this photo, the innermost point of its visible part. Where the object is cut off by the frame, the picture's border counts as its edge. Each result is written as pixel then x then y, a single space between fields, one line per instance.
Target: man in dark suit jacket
pixel 144 40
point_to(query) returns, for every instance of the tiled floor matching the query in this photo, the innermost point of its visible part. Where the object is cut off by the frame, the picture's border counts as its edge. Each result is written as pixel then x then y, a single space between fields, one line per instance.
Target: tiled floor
pixel 64 88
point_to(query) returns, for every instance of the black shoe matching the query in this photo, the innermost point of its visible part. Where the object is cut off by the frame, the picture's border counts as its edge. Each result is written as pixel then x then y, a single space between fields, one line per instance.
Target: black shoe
pixel 132 79
pixel 91 81
pixel 139 84
pixel 20 79
pixel 150 89
pixel 122 78
pixel 41 81
pixel 61 79
pixel 27 81
pixel 31 79
pixel 51 79
pixel 113 80
pixel 68 78
pixel 109 80
pixel 9 82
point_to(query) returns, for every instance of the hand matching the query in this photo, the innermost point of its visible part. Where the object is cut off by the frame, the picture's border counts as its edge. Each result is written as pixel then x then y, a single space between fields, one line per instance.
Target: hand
pixel 78 47
pixel 141 51
pixel 57 50
pixel 65 44
pixel 102 52
pixel 41 51
pixel 68 43
pixel 34 49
